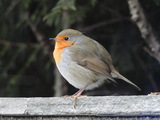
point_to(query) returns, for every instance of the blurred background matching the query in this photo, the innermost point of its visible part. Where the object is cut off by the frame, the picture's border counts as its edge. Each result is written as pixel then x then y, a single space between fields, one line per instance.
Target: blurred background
pixel 27 68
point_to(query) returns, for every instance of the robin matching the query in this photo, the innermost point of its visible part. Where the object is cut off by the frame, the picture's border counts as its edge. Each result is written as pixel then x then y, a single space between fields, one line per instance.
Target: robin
pixel 83 62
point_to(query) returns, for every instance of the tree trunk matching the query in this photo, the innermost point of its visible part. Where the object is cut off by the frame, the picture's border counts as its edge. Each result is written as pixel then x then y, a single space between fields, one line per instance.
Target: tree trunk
pixel 145 28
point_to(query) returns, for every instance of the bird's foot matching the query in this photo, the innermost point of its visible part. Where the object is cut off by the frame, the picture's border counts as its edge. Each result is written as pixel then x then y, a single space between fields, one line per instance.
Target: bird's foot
pixel 75 96
pixel 154 93
pixel 75 99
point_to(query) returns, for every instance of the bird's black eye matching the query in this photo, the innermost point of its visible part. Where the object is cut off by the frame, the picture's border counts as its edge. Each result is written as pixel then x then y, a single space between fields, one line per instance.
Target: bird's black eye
pixel 66 38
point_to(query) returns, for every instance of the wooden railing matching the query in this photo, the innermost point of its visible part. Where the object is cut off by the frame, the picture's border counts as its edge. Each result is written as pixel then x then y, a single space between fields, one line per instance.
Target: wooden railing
pixel 86 107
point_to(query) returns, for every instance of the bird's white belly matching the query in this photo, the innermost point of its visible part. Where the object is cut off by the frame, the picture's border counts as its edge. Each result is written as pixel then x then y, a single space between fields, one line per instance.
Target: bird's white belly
pixel 77 75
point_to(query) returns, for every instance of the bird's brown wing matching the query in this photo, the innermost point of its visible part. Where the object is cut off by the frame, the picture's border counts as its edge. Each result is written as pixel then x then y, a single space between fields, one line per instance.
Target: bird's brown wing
pixel 97 66
pixel 103 54
pixel 106 58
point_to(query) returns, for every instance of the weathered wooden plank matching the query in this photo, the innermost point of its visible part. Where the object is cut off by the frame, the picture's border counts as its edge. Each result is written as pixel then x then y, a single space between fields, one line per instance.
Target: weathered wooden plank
pixel 13 106
pixel 86 106
pixel 78 118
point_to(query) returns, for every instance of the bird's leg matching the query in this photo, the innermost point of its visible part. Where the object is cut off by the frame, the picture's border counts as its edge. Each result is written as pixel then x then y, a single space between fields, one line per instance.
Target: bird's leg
pixel 77 94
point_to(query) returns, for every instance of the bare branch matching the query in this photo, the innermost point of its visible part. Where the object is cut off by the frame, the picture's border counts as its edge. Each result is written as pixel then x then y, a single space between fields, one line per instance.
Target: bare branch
pixel 103 23
pixel 17 44
pixel 145 28
pixel 11 7
pixel 40 37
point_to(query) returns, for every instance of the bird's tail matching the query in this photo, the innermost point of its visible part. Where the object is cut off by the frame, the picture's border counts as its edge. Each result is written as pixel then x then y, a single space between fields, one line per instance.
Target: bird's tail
pixel 116 74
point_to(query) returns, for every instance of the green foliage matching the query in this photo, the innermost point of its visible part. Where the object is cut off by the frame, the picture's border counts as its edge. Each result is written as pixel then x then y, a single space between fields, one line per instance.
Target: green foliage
pixel 157 2
pixel 54 17
pixel 93 2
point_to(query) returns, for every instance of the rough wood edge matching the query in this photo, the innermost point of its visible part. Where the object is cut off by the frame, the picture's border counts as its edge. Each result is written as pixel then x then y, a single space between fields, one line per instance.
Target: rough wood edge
pixel 85 106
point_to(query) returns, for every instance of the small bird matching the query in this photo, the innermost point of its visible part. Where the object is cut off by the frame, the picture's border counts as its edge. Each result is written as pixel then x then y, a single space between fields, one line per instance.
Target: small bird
pixel 83 62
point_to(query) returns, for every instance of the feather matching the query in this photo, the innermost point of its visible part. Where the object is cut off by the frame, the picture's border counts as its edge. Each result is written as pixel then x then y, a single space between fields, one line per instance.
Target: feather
pixel 97 66
pixel 115 74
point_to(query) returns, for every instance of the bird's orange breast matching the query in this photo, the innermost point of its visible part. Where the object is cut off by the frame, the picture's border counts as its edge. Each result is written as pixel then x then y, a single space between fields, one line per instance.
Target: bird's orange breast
pixel 57 55
pixel 59 47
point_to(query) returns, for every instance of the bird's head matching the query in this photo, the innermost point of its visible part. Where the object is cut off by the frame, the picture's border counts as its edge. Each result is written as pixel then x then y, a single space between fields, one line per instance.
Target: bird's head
pixel 67 38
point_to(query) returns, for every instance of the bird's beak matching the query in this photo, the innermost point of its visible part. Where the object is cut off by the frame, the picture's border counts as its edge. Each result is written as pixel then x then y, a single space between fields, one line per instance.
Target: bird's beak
pixel 53 39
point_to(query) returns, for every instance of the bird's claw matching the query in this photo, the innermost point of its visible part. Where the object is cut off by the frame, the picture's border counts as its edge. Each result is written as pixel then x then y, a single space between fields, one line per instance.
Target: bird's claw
pixel 75 99
pixel 154 93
